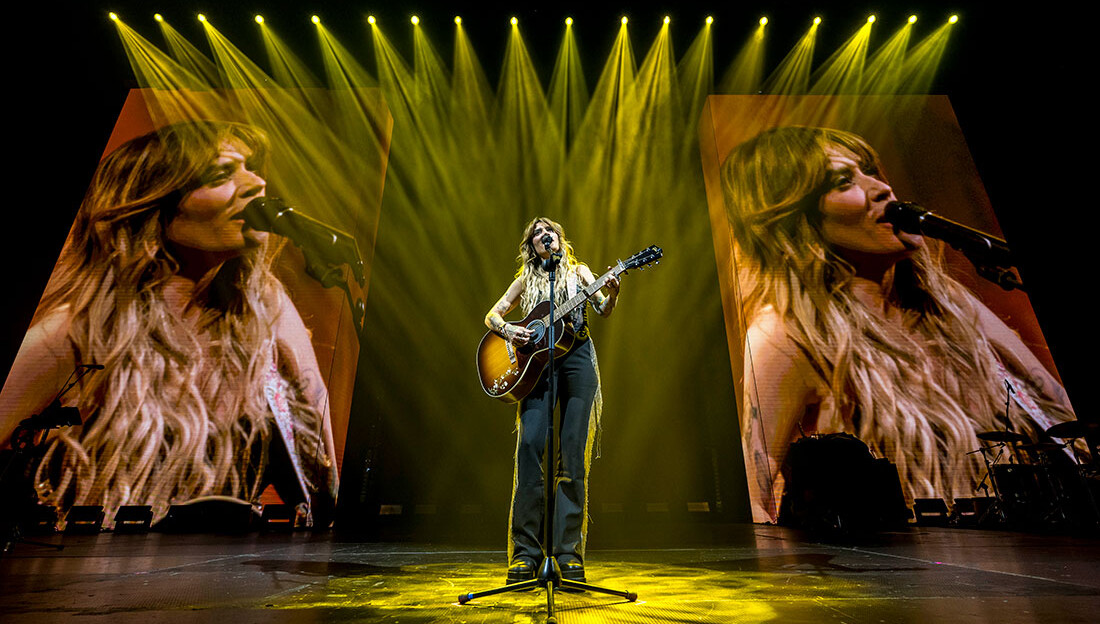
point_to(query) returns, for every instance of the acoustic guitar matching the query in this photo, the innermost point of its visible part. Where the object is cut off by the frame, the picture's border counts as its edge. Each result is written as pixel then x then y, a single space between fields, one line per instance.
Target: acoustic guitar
pixel 508 372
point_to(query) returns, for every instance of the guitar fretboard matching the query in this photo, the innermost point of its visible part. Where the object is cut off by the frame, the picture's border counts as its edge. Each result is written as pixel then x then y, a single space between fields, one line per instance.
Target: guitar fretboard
pixel 578 300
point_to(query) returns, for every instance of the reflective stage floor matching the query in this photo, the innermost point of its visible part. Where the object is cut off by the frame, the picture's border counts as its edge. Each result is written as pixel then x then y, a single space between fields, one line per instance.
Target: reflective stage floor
pixel 757 574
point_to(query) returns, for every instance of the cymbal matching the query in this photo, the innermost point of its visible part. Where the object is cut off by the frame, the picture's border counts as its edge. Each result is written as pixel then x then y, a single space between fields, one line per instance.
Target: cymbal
pixel 1071 429
pixel 1002 436
pixel 1041 447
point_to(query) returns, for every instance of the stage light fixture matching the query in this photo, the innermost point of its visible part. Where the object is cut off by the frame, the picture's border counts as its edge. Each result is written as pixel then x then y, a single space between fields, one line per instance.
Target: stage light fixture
pixel 817 21
pixel 259 19
pixel 569 21
pixel 953 19
pixel 624 20
pixel 202 18
pixel 514 21
pixel 763 21
pixel 371 20
pixel 870 19
pixel 315 20
pixel 710 20
pixel 278 518
pixel 415 20
pixel 667 20
pixel 458 20
pixel 113 16
pixel 158 17
pixel 912 19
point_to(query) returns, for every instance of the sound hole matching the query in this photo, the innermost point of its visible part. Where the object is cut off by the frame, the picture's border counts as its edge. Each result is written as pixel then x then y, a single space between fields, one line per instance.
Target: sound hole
pixel 538 330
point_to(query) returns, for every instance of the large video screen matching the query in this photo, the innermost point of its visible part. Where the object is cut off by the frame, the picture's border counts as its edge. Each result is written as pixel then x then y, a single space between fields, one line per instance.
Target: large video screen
pixel 204 359
pixel 848 335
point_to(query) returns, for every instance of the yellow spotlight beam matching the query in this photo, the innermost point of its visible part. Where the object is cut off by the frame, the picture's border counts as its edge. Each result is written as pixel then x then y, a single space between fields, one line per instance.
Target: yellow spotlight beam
pixel 746 71
pixel 842 72
pixel 792 76
pixel 568 92
pixel 885 66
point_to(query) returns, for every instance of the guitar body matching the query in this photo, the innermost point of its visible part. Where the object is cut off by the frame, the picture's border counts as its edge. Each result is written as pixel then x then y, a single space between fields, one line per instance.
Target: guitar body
pixel 509 373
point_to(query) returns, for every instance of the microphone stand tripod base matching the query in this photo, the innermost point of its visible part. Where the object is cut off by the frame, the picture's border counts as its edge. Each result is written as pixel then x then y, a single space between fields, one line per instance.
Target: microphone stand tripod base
pixel 548 577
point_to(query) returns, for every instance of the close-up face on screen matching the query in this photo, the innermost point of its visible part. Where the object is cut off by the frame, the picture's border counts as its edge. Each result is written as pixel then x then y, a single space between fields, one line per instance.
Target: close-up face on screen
pixel 195 352
pixel 851 339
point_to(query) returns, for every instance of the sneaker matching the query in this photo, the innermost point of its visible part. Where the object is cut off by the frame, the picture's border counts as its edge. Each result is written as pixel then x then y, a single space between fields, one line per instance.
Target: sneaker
pixel 522 569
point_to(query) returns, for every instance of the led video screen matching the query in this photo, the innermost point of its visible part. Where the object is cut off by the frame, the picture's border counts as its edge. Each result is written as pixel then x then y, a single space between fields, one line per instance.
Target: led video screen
pixel 848 335
pixel 204 359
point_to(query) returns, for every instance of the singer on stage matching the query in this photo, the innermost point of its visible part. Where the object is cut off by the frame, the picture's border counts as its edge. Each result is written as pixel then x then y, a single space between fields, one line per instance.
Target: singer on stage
pixel 854 326
pixel 210 383
pixel 579 399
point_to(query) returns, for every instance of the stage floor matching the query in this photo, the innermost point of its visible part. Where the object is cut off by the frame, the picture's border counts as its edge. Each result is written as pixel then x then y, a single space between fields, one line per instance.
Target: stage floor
pixel 758 574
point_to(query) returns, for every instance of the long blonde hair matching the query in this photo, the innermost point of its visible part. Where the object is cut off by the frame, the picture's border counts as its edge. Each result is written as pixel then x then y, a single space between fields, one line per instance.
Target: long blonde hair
pixel 919 399
pixel 179 410
pixel 536 281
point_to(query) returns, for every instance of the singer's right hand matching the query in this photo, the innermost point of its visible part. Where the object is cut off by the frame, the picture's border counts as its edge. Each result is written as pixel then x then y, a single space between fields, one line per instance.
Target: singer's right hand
pixel 517 335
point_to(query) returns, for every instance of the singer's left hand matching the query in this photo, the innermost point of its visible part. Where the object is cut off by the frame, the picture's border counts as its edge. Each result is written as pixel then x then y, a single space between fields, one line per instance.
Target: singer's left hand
pixel 612 284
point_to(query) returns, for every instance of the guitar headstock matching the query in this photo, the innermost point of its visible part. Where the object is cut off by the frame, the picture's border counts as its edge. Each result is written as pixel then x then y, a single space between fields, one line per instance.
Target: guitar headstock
pixel 642 259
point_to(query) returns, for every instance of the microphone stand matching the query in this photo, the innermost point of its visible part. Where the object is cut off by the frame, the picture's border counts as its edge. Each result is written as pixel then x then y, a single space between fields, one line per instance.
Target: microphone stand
pixel 990 255
pixel 549 574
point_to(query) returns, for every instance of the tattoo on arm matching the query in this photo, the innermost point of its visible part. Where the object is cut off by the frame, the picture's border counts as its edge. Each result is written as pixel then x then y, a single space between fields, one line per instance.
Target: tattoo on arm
pixel 1047 386
pixel 495 317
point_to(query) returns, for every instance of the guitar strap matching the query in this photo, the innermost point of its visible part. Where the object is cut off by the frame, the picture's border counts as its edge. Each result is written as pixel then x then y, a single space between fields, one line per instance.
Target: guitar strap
pixel 579 317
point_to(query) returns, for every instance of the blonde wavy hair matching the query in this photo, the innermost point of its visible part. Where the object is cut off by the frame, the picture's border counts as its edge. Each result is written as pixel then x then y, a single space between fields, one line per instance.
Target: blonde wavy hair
pixel 918 399
pixel 536 281
pixel 179 411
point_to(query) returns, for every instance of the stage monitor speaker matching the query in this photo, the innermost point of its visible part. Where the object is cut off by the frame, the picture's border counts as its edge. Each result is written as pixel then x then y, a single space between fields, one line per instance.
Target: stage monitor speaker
pixel 836 487
pixel 133 519
pixel 931 512
pixel 84 519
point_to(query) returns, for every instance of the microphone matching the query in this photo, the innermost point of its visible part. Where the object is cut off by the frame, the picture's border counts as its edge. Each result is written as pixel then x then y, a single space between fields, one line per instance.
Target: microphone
pixel 980 247
pixel 316 238
pixel 547 240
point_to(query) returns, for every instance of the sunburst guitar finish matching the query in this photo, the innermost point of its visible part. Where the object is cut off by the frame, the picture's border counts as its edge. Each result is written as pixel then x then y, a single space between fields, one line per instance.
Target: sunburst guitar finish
pixel 508 372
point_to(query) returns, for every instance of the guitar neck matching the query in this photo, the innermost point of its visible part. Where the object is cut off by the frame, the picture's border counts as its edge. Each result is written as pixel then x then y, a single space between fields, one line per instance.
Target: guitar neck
pixel 578 300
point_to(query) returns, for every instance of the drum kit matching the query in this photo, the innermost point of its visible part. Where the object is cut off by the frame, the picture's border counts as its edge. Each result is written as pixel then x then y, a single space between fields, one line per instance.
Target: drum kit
pixel 1042 484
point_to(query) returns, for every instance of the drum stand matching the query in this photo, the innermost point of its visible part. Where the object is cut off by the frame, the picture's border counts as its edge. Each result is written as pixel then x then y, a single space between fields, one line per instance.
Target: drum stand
pixel 16 485
pixel 549 574
pixel 997 507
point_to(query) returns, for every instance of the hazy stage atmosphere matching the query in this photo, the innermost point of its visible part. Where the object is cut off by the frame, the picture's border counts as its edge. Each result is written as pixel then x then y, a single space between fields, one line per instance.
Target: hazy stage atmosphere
pixel 746 157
